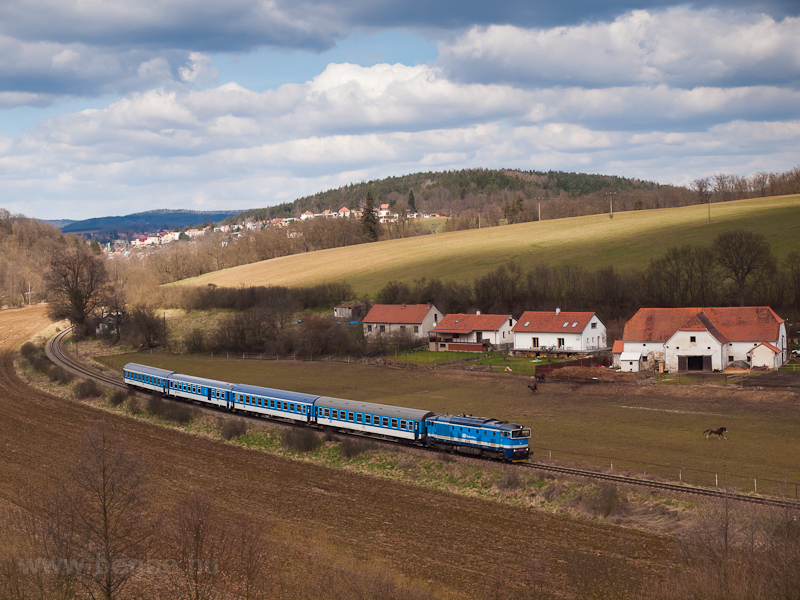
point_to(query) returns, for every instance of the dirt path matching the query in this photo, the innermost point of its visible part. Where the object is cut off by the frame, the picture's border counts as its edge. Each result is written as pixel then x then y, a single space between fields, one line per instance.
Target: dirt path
pixel 431 536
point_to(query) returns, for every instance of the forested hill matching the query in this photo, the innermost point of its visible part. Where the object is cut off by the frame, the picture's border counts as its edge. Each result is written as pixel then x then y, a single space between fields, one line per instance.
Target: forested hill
pixel 455 191
pixel 151 221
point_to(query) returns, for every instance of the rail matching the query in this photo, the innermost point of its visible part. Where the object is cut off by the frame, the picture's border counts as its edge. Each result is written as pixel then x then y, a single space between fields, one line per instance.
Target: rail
pixel 56 354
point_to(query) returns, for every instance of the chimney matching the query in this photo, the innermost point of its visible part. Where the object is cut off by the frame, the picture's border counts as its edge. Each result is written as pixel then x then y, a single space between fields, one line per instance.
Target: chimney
pixel 558 310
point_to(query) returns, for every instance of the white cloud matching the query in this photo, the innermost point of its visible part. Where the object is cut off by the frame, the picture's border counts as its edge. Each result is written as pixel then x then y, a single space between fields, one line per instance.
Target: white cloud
pixel 681 47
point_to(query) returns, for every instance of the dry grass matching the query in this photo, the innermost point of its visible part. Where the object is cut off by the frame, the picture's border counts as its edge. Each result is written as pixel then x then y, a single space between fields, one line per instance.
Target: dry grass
pixel 630 238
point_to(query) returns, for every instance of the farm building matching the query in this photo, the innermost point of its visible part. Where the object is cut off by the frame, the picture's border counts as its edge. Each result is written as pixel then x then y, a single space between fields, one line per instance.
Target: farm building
pixel 351 311
pixel 706 339
pixel 472 333
pixel 415 319
pixel 562 331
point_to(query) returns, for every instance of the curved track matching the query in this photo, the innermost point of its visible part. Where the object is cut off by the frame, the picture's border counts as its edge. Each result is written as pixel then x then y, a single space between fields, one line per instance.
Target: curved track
pixel 57 355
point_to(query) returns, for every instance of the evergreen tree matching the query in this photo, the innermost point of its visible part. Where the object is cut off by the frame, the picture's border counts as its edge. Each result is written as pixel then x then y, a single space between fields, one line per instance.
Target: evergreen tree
pixel 369 220
pixel 411 202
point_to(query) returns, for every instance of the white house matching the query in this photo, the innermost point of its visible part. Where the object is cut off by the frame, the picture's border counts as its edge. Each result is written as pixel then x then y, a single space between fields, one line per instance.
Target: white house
pixel 472 333
pixel 558 330
pixel 707 339
pixel 414 319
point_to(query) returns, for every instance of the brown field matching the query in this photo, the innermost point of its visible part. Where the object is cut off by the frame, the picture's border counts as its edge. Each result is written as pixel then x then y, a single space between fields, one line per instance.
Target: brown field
pixel 645 424
pixel 479 545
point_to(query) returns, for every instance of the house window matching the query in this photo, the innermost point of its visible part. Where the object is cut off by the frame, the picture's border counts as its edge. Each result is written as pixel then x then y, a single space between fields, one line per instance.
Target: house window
pixel 535 343
pixel 560 342
pixel 416 328
pixel 383 328
pixel 479 336
pixel 402 327
pixel 594 325
pixel 730 359
pixel 369 328
pixel 693 338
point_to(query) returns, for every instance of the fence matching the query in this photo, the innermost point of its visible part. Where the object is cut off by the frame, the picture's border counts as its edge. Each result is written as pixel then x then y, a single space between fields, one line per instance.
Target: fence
pixel 696 477
pixel 602 360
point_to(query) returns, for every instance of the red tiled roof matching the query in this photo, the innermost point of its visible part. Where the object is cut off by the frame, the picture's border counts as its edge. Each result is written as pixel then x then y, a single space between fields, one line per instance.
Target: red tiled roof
pixel 745 324
pixel 550 322
pixel 618 347
pixel 398 313
pixel 768 345
pixel 464 323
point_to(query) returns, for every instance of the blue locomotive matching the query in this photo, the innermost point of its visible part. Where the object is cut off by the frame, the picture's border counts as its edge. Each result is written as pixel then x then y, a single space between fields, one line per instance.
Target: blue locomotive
pixel 458 433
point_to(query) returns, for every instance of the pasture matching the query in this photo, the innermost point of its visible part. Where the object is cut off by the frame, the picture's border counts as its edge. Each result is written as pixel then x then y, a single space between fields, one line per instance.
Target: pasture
pixel 646 426
pixel 629 240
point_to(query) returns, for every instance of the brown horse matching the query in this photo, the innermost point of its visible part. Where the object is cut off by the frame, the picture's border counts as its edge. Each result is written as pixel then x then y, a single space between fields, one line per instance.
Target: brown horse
pixel 720 431
pixel 540 377
pixel 533 388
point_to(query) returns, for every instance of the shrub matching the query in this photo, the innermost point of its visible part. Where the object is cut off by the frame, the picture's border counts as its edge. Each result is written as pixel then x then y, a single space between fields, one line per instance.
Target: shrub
pixel 511 480
pixel 352 447
pixel 301 440
pixel 169 410
pixel 195 341
pixel 133 406
pixel 60 375
pixel 86 389
pixel 28 349
pixel 41 364
pixel 117 398
pixel 607 500
pixel 233 429
pixel 553 491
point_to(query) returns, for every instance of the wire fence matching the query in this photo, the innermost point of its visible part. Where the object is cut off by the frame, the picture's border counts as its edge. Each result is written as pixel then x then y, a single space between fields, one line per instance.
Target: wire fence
pixel 690 476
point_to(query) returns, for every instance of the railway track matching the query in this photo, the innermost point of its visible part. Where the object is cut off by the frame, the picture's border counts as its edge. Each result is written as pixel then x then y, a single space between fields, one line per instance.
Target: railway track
pixel 56 354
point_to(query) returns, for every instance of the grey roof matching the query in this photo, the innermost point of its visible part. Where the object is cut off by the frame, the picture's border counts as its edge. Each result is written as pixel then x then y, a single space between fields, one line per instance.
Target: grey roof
pixel 256 390
pixel 152 371
pixel 222 385
pixel 383 410
pixel 486 423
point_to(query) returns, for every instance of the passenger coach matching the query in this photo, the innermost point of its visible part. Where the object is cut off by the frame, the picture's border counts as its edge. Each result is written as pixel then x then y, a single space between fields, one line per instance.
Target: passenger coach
pixel 375 419
pixel 148 378
pixel 273 403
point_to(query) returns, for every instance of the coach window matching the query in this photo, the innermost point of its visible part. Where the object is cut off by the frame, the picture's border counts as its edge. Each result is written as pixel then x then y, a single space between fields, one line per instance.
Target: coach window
pixel 291 407
pixel 358 418
pixel 350 417
pixel 385 421
pixel 394 423
pixel 368 419
pixel 402 424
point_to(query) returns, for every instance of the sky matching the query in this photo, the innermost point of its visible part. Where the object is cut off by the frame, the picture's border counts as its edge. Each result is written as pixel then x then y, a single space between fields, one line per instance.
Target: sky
pixel 110 108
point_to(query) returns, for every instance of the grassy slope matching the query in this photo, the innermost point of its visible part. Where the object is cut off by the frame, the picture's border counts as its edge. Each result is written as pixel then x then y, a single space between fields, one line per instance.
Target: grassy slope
pixel 629 240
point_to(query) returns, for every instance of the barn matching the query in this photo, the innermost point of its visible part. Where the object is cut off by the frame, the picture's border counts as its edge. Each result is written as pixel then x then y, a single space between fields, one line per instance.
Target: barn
pixel 706 339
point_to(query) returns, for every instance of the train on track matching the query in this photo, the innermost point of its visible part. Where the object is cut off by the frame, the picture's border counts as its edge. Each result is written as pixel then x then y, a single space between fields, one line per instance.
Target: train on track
pixel 459 433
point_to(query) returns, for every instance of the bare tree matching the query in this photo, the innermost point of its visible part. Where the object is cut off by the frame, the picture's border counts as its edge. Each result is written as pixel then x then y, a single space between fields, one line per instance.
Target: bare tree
pixel 743 256
pixel 200 544
pixel 703 188
pixel 105 491
pixel 75 284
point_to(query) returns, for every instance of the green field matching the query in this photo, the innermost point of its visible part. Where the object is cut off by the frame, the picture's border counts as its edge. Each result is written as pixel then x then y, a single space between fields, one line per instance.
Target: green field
pixel 640 427
pixel 629 240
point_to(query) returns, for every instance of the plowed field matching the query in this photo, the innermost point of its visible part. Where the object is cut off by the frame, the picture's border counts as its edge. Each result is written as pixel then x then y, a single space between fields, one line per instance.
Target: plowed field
pixel 453 542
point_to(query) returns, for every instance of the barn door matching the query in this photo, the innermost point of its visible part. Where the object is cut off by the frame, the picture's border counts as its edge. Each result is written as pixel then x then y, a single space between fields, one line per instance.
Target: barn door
pixel 707 364
pixel 683 363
